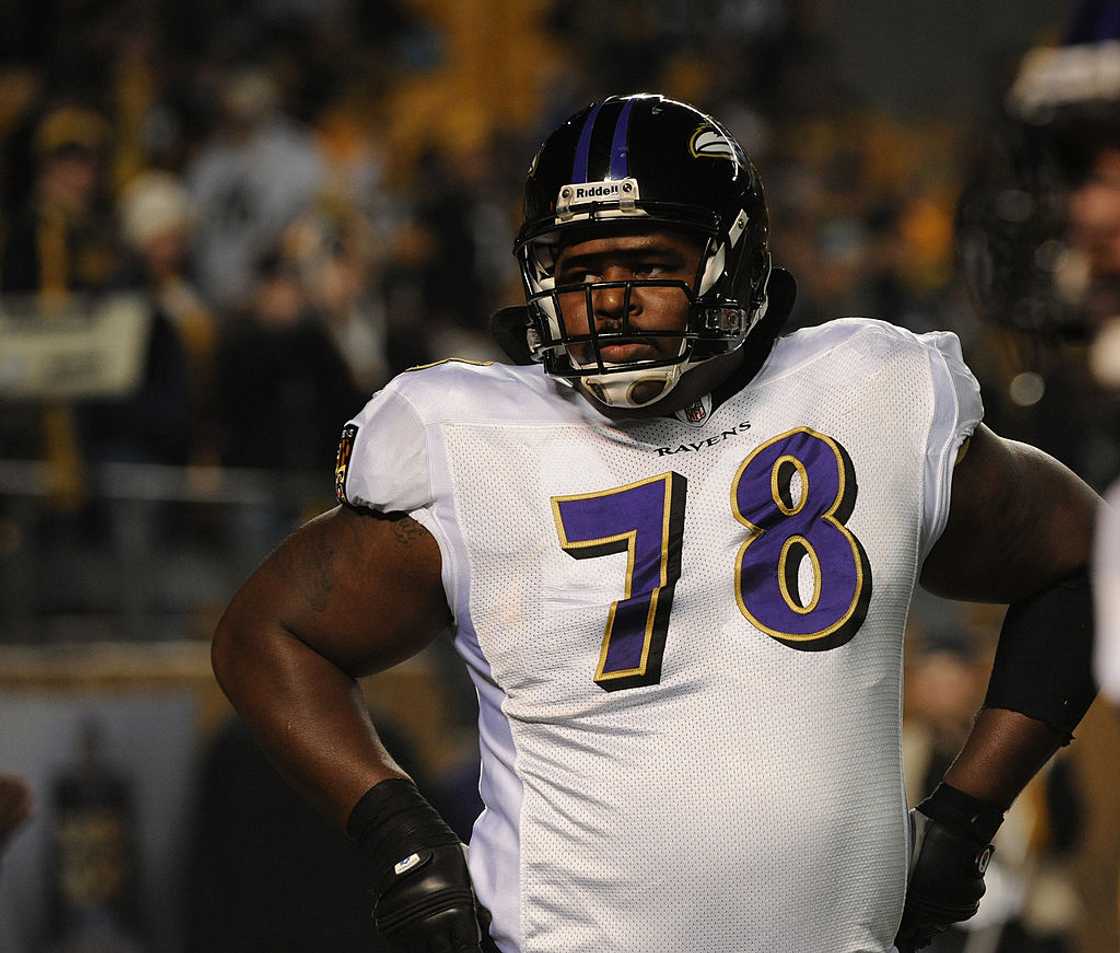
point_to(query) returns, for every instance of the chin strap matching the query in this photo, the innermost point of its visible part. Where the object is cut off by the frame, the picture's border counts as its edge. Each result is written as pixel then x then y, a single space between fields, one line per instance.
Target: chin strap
pixel 618 390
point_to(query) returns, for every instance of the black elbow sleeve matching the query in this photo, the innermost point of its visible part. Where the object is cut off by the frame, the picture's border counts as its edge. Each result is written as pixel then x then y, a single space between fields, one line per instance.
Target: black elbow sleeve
pixel 1043 665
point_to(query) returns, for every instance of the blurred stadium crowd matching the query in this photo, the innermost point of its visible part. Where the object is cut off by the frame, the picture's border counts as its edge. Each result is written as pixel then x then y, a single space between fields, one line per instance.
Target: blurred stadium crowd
pixel 314 199
pixel 316 196
pixel 309 197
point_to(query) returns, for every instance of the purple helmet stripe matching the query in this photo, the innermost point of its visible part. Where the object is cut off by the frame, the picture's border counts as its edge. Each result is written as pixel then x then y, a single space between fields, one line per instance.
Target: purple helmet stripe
pixel 620 165
pixel 583 147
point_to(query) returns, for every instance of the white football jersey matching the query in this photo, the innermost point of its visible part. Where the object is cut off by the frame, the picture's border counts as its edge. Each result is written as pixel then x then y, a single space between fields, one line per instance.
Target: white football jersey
pixel 686 636
pixel 1106 596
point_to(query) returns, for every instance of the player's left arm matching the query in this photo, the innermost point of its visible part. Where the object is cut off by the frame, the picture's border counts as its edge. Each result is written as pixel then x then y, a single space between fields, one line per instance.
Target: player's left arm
pixel 1019 531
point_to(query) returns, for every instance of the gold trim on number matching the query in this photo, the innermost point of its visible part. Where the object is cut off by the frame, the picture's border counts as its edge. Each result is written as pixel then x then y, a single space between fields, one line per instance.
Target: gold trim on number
pixel 757 531
pixel 631 546
pixel 783 558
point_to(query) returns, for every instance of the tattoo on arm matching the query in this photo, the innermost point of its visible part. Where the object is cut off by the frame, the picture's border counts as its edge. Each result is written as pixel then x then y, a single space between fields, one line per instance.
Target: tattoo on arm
pixel 318 567
pixel 407 530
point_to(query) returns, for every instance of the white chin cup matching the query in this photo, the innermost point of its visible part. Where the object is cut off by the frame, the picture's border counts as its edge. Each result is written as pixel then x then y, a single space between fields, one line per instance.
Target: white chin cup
pixel 619 390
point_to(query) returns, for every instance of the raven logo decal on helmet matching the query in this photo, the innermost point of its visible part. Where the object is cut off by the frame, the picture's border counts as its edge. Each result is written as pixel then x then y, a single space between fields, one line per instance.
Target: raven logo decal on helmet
pixel 711 143
pixel 641 158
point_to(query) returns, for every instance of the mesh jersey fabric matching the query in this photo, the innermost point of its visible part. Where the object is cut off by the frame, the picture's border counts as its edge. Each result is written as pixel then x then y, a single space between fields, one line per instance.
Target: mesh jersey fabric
pixel 748 797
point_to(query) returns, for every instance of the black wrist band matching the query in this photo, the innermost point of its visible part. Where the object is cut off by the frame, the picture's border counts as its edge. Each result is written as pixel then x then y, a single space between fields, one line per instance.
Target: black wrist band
pixel 393 820
pixel 962 813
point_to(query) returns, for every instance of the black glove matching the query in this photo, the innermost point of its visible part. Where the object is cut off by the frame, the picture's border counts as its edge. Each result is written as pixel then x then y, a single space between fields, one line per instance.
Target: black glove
pixel 950 852
pixel 423 898
pixel 429 906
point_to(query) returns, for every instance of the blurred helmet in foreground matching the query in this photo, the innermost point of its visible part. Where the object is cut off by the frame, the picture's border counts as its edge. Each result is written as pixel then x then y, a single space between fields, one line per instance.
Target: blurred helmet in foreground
pixel 1039 222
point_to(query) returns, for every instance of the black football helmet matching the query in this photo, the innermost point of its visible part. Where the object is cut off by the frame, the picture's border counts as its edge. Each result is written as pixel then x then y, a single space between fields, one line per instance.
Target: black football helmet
pixel 633 162
pixel 1021 257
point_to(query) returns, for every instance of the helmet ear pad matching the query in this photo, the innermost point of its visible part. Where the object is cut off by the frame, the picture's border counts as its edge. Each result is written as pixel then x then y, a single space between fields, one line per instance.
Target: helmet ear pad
pixel 781 294
pixel 511 328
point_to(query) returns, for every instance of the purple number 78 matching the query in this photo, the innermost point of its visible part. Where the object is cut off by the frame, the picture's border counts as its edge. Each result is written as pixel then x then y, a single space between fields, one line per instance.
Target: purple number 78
pixel 646 521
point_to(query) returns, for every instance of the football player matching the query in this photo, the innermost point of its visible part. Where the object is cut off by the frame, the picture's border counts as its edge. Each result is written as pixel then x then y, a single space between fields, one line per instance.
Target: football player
pixel 1054 268
pixel 676 552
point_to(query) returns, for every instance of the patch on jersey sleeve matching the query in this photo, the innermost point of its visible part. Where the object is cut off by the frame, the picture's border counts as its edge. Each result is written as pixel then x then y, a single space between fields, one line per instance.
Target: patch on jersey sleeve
pixel 342 461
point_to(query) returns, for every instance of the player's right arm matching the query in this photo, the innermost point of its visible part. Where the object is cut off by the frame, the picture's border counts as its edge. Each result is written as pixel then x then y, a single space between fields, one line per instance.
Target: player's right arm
pixel 348 594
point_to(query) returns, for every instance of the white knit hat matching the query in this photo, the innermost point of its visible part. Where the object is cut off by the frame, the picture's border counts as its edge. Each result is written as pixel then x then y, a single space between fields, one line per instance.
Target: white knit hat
pixel 153 203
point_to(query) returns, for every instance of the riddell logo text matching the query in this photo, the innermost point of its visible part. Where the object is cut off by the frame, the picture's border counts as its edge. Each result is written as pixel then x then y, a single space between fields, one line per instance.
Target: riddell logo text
pixel 735 431
pixel 596 191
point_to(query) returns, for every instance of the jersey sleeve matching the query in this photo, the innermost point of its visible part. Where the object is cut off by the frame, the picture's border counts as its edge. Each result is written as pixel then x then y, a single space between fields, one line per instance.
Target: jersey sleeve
pixel 382 459
pixel 1106 595
pixel 957 410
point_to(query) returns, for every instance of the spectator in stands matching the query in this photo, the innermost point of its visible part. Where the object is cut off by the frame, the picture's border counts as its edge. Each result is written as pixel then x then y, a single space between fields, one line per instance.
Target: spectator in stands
pixel 60 244
pixel 156 221
pixel 152 424
pixel 282 385
pixel 946 676
pixel 255 176
pixel 62 240
pixel 331 252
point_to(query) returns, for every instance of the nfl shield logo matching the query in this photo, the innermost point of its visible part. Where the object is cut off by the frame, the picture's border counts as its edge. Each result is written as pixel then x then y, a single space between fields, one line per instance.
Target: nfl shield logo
pixel 696 413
